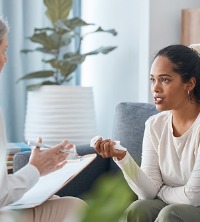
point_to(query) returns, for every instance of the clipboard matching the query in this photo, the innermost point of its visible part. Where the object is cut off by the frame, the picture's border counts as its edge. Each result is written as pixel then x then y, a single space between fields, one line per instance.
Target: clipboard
pixel 50 184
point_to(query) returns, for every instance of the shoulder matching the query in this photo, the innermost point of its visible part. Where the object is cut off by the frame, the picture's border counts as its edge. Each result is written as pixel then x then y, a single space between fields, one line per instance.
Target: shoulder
pixel 159 119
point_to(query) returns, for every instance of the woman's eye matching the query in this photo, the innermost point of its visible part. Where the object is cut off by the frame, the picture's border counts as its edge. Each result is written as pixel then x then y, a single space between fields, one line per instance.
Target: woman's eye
pixel 152 80
pixel 165 80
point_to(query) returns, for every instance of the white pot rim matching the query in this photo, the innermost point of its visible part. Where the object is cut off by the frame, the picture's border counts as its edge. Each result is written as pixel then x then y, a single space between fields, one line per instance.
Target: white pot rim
pixel 62 89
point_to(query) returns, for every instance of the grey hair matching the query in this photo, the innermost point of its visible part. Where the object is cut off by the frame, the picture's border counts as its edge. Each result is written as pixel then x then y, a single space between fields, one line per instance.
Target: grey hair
pixel 3 28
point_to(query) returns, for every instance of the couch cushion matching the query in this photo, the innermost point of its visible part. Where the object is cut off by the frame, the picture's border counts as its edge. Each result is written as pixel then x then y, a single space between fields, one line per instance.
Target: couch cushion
pixel 129 126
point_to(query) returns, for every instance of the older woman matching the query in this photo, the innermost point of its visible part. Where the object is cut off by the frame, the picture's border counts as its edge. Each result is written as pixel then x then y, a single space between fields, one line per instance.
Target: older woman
pixel 13 186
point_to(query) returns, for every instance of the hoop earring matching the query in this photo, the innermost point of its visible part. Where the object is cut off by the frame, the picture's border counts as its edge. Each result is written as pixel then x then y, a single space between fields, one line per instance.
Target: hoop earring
pixel 189 95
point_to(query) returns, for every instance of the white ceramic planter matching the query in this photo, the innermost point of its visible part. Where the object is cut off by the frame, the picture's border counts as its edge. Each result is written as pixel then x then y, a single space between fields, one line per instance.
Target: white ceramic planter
pixel 60 112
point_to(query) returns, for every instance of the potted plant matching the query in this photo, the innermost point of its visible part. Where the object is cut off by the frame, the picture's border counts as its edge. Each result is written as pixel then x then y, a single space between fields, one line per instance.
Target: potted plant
pixel 55 111
pixel 53 39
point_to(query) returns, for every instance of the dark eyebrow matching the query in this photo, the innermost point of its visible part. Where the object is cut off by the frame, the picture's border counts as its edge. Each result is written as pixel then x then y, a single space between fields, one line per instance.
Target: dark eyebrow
pixel 161 75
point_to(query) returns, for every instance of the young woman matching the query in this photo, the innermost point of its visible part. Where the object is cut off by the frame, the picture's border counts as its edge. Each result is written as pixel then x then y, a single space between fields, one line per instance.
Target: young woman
pixel 13 186
pixel 168 181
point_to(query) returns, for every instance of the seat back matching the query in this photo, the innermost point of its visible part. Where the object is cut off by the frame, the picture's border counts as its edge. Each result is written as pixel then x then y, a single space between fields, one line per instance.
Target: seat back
pixel 129 124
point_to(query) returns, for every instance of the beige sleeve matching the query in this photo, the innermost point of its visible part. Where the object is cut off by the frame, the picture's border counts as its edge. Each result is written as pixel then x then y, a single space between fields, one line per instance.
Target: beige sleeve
pixel 13 186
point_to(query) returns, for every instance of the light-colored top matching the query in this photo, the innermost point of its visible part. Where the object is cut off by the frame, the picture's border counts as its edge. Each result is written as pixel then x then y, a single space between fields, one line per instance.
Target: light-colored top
pixel 13 186
pixel 170 168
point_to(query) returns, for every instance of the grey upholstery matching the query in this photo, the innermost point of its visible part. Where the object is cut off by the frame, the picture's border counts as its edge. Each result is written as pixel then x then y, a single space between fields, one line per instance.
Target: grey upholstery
pixel 128 128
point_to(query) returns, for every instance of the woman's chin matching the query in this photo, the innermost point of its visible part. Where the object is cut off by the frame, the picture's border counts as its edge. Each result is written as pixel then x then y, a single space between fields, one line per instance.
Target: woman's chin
pixel 160 107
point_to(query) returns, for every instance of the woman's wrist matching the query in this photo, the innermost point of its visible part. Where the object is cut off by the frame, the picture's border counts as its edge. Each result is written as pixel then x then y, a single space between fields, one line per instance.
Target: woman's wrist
pixel 121 156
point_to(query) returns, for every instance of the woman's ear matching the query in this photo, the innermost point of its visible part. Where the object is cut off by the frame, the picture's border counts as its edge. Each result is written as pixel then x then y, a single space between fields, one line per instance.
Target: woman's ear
pixel 191 84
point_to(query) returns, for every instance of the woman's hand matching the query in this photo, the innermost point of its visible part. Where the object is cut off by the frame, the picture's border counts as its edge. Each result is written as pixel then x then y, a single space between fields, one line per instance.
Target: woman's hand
pixel 51 159
pixel 106 149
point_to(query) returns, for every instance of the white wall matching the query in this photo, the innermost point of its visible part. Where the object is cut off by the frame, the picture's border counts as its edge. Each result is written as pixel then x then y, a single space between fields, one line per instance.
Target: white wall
pixel 143 26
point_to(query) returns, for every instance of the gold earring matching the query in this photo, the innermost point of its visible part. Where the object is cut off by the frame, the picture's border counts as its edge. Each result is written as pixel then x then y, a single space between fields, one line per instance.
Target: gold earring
pixel 188 92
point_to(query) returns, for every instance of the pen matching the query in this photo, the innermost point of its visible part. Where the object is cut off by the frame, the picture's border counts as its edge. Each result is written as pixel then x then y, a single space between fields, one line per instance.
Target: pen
pixel 45 146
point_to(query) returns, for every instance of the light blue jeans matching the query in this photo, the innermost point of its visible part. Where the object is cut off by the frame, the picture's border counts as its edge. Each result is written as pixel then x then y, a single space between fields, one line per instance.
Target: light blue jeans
pixel 158 211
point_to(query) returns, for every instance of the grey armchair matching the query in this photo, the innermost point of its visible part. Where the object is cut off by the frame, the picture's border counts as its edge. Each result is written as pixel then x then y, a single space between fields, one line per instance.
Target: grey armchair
pixel 128 128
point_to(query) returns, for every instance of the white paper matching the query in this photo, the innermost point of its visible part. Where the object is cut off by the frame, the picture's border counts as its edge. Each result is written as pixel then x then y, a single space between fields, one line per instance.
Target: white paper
pixel 50 184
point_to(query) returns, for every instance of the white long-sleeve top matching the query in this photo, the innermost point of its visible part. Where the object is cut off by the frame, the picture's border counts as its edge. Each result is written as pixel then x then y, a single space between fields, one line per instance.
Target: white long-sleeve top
pixel 170 167
pixel 13 186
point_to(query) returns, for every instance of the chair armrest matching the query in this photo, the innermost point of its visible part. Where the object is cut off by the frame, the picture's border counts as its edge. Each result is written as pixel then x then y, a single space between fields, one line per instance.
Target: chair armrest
pixel 20 160
pixel 84 149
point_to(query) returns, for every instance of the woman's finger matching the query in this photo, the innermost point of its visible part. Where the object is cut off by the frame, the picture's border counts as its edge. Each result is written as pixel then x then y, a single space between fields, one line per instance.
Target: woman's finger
pixel 107 152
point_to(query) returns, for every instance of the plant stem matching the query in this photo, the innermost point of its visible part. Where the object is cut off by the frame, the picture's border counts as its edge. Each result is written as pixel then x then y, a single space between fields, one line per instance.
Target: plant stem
pixel 57 72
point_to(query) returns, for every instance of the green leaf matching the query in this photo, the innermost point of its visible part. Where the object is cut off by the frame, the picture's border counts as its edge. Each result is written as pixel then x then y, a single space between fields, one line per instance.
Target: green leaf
pixel 74 58
pixel 65 67
pixel 111 31
pixel 37 86
pixel 58 9
pixel 36 30
pixel 27 50
pixel 48 41
pixel 71 24
pixel 99 29
pixel 47 51
pixel 78 58
pixel 39 74
pixel 103 50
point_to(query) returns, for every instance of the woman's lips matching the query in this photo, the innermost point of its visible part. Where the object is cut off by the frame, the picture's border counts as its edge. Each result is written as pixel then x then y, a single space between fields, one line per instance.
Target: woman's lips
pixel 158 100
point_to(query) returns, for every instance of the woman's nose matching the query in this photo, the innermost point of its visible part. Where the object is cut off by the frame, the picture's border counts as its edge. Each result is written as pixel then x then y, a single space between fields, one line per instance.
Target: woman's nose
pixel 155 87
